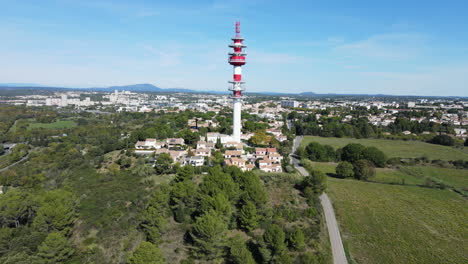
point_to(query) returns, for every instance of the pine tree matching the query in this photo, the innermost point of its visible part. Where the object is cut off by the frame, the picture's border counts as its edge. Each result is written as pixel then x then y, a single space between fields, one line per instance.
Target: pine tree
pixel 57 212
pixel 248 218
pixel 209 235
pixel 239 253
pixel 218 203
pixel 146 253
pixel 184 173
pixel 218 144
pixel 275 239
pixel 55 248
pixel 297 239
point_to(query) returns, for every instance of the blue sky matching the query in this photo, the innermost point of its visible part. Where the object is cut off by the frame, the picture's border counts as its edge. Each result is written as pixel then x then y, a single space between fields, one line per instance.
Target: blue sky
pixel 392 47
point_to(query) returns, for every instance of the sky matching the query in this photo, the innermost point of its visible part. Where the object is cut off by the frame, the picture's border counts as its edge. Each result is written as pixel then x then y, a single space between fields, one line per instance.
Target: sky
pixel 353 47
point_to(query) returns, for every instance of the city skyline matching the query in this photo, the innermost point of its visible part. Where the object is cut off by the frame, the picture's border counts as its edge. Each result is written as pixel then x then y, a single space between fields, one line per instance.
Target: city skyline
pixel 416 48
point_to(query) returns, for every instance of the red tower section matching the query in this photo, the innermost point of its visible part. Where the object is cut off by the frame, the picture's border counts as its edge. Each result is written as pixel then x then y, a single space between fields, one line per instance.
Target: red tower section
pixel 237 59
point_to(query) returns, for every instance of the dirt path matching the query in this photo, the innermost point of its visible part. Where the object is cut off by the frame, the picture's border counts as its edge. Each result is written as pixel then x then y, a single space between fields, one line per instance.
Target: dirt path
pixel 11 165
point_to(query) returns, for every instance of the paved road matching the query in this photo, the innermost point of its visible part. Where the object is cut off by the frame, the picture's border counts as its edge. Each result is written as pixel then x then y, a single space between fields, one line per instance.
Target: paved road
pixel 339 256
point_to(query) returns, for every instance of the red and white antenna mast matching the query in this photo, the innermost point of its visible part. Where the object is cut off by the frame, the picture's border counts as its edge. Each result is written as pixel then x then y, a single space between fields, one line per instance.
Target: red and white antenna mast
pixel 237 60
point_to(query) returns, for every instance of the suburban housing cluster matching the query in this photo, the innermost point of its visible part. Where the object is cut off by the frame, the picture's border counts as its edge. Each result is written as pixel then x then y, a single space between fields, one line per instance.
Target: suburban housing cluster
pixel 265 159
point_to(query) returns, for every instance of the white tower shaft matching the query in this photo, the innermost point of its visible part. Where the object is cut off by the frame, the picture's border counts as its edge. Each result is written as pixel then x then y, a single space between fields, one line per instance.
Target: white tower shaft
pixel 237 59
pixel 236 117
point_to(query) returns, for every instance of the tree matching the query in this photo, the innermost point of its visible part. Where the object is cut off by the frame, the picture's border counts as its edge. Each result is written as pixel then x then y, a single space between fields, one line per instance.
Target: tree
pixel 219 182
pixel 443 140
pixel 183 200
pixel 352 152
pixel 374 155
pixel 260 138
pixel 344 169
pixel 308 258
pixel 316 181
pixel 218 144
pixel 248 217
pixel 57 212
pixel 466 142
pixel 21 258
pixel 275 238
pixel 363 170
pixel 238 251
pixel 142 169
pixel 251 187
pixel 146 253
pixel 316 152
pixel 209 235
pixel 124 162
pixel 155 214
pixel 184 173
pixel 218 203
pixel 283 258
pixel 218 158
pixel 55 248
pixel 297 239
pixel 190 138
pixel 17 207
pixel 163 164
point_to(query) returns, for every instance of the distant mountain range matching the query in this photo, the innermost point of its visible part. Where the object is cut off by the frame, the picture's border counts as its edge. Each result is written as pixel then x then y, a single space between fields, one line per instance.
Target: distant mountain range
pixel 146 87
pixel 143 87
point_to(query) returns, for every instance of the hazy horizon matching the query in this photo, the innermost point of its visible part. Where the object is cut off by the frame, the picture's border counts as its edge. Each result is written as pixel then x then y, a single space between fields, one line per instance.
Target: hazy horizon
pixel 397 48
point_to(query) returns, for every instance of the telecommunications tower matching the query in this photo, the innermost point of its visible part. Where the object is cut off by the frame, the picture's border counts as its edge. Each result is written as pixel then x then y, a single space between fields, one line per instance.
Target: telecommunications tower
pixel 237 59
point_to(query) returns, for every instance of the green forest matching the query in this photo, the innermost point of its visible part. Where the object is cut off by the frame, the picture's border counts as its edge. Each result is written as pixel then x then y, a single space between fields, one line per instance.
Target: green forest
pixel 80 195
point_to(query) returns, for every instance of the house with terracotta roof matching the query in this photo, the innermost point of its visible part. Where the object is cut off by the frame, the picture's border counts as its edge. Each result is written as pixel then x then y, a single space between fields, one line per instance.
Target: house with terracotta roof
pixel 205 145
pixel 202 152
pixel 275 157
pixel 240 163
pixel 272 168
pixel 232 153
pixel 149 143
pixel 267 165
pixel 195 161
pixel 260 152
pixel 233 144
pixel 176 155
pixel 172 142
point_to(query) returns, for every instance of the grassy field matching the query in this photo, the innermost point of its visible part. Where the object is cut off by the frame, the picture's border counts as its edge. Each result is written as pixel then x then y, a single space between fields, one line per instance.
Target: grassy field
pixel 54 125
pixel 451 177
pixel 383 175
pixel 383 223
pixel 396 148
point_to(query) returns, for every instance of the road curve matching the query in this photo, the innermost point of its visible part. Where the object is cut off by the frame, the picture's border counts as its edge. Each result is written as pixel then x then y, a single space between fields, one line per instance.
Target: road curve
pixel 339 256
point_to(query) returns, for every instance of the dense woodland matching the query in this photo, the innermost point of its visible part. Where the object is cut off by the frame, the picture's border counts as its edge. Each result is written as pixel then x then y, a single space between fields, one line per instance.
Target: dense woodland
pixel 359 126
pixel 82 196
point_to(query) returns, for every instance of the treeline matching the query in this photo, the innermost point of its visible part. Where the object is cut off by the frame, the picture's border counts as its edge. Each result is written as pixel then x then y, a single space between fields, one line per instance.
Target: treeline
pixel 359 126
pixel 333 127
pixel 405 124
pixel 351 153
pixel 356 160
pixel 373 156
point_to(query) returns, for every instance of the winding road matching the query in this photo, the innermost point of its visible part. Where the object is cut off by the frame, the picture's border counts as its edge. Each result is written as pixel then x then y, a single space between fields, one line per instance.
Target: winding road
pixel 339 256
